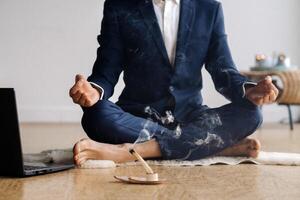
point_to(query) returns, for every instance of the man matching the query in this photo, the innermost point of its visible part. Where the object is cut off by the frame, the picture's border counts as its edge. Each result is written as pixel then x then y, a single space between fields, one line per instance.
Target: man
pixel 161 46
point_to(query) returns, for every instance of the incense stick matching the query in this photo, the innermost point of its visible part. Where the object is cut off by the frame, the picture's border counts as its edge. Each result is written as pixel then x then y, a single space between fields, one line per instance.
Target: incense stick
pixel 144 163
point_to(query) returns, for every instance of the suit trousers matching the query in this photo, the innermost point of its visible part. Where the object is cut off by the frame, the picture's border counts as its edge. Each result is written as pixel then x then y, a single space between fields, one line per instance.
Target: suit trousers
pixel 205 131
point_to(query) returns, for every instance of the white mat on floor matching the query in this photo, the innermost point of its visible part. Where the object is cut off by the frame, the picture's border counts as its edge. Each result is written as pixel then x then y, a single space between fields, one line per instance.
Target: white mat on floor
pixel 264 158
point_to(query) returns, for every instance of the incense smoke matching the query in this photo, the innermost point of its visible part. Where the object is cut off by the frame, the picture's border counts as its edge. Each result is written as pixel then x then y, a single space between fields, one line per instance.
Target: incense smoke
pixel 193 136
pixel 150 127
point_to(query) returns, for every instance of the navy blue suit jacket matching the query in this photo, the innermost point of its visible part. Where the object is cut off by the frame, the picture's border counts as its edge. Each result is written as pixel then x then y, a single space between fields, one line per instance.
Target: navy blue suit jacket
pixel 131 41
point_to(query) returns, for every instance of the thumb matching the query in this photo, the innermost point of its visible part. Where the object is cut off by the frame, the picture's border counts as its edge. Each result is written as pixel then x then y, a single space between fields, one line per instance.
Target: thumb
pixel 79 77
pixel 267 80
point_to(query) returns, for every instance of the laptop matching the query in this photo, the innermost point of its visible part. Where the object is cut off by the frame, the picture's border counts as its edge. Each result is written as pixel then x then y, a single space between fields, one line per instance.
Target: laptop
pixel 10 143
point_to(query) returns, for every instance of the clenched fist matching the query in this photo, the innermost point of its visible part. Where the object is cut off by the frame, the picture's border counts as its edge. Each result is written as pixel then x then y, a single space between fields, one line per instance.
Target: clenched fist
pixel 83 93
pixel 263 93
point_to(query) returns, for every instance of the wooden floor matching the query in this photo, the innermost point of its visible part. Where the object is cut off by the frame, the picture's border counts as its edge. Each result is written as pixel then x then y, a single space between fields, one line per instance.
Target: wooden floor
pixel 245 181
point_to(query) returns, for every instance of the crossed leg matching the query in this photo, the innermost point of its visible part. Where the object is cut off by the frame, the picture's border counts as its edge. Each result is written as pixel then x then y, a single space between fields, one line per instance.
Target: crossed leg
pixel 112 132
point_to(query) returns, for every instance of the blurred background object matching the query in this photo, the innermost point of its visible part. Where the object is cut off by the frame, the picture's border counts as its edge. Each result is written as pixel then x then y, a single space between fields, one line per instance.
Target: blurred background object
pixel 275 62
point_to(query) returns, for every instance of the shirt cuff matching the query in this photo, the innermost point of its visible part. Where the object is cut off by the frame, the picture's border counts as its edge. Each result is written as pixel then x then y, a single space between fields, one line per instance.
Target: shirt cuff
pixel 247 83
pixel 99 88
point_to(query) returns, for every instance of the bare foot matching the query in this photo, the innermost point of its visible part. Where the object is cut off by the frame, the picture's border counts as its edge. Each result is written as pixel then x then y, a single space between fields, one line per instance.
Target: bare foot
pixel 88 149
pixel 247 147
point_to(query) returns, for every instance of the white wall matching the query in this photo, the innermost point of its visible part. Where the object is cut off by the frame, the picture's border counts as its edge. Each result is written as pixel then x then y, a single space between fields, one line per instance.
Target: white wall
pixel 43 44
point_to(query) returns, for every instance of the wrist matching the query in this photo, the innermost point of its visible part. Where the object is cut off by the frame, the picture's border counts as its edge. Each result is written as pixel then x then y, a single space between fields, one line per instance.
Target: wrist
pixel 97 93
pixel 99 89
pixel 248 87
pixel 247 92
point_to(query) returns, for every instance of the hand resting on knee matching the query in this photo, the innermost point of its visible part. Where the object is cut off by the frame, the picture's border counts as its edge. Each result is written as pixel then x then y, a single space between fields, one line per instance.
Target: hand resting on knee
pixel 83 92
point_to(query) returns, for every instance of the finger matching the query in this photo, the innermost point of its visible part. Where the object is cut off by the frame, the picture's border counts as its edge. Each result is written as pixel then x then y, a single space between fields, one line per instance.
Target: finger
pixel 263 91
pixel 269 99
pixel 272 96
pixel 268 79
pixel 88 103
pixel 272 86
pixel 275 90
pixel 73 90
pixel 272 90
pixel 258 101
pixel 76 96
pixel 79 83
pixel 266 99
pixel 82 100
pixel 79 77
pixel 265 82
pixel 257 95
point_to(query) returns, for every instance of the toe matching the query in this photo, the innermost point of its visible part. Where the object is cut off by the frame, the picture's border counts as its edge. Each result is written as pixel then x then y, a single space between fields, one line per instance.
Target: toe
pixel 258 144
pixel 80 146
pixel 76 158
pixel 255 144
pixel 80 156
pixel 76 148
pixel 81 161
pixel 253 153
pixel 254 148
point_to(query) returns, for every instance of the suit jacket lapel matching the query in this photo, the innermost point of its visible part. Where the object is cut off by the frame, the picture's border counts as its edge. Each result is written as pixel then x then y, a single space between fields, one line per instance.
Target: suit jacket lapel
pixel 187 15
pixel 147 10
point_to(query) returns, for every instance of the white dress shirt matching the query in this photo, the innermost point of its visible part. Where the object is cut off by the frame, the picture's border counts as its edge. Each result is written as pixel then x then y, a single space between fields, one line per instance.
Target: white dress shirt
pixel 167 14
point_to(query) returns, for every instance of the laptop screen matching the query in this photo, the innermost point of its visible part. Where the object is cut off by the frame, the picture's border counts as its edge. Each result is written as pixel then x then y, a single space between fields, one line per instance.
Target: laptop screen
pixel 10 143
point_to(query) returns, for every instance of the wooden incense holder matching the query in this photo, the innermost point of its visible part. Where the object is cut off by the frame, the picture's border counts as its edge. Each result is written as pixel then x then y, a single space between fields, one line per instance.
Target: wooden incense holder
pixel 151 177
pixel 139 180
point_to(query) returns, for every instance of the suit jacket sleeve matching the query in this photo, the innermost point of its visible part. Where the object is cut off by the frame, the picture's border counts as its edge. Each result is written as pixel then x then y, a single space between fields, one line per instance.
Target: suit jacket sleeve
pixel 109 61
pixel 219 63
